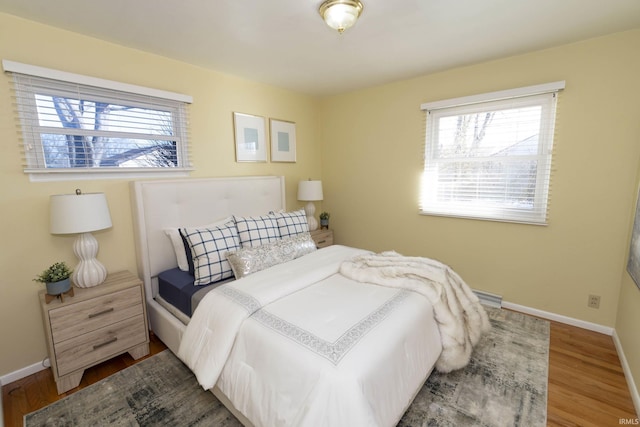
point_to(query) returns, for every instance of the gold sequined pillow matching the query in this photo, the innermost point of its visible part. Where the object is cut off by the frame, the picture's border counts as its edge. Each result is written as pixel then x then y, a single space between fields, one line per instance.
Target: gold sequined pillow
pixel 250 260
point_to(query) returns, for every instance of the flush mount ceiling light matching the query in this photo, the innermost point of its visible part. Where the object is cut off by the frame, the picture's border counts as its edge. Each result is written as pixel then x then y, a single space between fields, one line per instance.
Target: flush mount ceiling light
pixel 340 14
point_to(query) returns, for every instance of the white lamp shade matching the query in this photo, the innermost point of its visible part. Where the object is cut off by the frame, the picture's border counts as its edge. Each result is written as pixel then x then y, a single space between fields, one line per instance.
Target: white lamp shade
pixel 310 191
pixel 78 213
pixel 81 214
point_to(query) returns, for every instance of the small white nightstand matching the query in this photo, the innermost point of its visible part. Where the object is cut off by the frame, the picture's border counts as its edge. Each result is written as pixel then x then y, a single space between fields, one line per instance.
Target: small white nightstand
pixel 322 238
pixel 94 325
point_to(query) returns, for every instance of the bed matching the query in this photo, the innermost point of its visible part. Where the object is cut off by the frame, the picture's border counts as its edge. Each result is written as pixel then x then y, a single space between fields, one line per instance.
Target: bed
pixel 321 338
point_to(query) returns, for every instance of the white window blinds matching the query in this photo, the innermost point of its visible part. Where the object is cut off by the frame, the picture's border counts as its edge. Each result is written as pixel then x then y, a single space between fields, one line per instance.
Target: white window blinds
pixel 489 156
pixel 74 124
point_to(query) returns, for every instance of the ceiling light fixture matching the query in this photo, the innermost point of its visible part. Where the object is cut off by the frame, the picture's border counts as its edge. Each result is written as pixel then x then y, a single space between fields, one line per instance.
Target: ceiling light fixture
pixel 340 14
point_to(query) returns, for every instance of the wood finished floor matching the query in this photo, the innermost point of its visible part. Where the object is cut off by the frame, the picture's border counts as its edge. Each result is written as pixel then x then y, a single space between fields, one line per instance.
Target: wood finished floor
pixel 587 386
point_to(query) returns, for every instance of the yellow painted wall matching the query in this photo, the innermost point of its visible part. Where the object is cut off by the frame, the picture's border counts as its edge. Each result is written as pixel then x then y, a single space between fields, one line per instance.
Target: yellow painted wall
pixel 26 247
pixel 372 145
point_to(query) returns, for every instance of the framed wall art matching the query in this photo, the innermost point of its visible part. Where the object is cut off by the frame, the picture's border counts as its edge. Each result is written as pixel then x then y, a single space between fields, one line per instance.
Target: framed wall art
pixel 250 138
pixel 283 140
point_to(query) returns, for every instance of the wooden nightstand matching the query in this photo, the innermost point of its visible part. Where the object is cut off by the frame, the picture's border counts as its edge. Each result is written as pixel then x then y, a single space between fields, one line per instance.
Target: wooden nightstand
pixel 94 325
pixel 322 238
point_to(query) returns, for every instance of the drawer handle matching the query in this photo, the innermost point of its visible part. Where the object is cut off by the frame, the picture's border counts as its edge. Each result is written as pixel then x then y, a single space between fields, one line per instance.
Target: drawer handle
pixel 105 311
pixel 97 346
pixel 321 242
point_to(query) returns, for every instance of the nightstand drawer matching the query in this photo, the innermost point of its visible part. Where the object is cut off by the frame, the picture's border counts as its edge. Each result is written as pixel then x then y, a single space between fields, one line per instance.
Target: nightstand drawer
pixel 322 238
pixel 86 316
pixel 93 325
pixel 87 349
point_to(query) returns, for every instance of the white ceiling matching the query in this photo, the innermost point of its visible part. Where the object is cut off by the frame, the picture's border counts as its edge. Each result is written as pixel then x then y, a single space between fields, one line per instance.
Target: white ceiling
pixel 285 42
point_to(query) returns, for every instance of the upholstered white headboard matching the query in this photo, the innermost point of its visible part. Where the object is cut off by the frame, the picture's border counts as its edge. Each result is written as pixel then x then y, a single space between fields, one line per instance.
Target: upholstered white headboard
pixel 191 202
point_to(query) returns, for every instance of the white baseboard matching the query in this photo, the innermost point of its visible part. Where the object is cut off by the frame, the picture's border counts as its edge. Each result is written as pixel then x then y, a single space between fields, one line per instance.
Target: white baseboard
pixel 559 318
pixel 627 373
pixel 24 372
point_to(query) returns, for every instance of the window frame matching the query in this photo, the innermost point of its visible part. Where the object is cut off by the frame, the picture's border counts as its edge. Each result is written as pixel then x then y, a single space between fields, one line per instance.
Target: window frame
pixel 129 95
pixel 544 95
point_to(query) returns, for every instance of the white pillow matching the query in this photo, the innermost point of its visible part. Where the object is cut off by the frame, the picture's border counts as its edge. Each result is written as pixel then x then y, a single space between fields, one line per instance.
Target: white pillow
pixel 257 230
pixel 209 247
pixel 292 223
pixel 250 260
pixel 178 245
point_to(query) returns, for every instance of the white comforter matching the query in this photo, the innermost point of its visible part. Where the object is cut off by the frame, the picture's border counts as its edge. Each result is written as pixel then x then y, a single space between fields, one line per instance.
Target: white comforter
pixel 334 352
pixel 461 319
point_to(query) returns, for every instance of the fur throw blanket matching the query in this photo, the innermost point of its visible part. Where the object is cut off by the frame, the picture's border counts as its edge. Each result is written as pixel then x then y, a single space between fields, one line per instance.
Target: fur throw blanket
pixel 460 317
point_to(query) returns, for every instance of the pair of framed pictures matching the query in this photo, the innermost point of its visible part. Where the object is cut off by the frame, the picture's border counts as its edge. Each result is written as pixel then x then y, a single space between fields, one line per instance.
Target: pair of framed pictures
pixel 251 141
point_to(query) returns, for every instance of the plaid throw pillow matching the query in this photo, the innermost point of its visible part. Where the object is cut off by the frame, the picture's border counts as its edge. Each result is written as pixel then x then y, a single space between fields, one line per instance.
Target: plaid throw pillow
pixel 257 230
pixel 209 247
pixel 292 223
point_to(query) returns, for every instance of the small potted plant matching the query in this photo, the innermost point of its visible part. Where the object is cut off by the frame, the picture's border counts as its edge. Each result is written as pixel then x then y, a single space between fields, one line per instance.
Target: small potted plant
pixel 324 220
pixel 56 278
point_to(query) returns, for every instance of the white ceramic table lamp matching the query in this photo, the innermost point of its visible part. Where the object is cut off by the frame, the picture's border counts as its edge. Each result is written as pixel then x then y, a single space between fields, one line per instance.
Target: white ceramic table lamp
pixel 310 191
pixel 81 214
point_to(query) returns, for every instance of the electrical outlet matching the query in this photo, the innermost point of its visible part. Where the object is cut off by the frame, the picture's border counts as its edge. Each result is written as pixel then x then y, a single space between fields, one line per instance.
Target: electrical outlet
pixel 594 301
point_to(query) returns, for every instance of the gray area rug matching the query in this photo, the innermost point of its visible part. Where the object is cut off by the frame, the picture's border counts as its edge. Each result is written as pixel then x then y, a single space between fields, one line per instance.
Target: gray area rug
pixel 505 384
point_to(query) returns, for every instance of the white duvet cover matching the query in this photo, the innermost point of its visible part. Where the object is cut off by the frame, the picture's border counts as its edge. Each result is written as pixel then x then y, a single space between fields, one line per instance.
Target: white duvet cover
pixel 300 345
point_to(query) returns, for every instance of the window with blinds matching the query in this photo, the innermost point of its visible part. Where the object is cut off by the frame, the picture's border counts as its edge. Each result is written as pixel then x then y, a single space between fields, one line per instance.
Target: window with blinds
pixel 489 156
pixel 73 123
